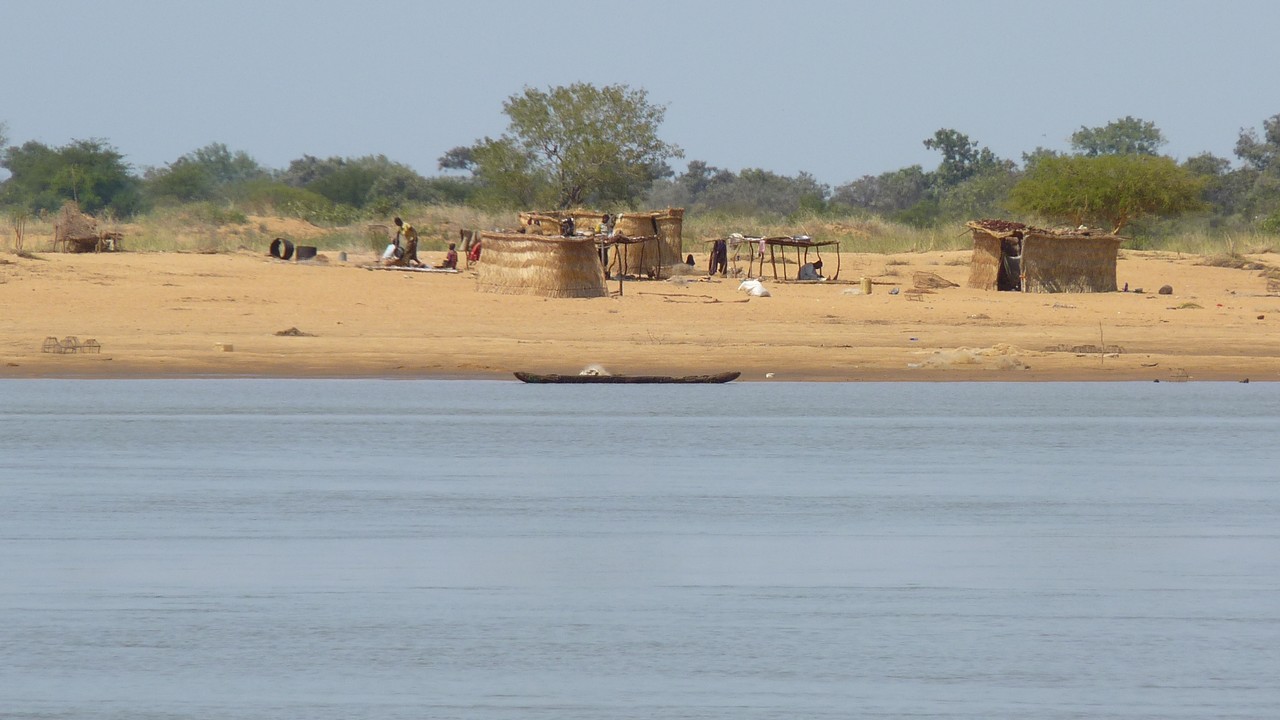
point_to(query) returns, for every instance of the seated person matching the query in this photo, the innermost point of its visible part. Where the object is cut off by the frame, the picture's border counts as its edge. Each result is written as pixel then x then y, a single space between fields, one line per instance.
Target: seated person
pixel 473 255
pixel 811 271
pixel 450 258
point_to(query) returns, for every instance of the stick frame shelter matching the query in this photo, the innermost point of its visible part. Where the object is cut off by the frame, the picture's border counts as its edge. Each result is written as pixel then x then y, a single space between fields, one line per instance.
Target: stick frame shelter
pixel 777 246
pixel 622 260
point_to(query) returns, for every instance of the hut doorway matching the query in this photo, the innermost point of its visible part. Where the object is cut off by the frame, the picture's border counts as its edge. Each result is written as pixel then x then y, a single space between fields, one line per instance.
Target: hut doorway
pixel 1010 275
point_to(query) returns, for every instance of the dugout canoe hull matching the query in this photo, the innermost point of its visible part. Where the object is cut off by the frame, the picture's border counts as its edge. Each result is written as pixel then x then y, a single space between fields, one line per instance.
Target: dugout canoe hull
pixel 553 379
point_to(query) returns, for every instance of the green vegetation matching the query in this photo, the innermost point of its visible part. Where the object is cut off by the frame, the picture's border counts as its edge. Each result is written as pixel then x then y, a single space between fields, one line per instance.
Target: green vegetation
pixel 91 172
pixel 600 147
pixel 1126 136
pixel 571 146
pixel 1110 191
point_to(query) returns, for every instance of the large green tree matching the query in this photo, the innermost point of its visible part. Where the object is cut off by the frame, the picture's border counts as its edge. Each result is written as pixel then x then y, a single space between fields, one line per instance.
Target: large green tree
pixel 574 145
pixel 962 158
pixel 1106 190
pixel 203 174
pixel 91 172
pixel 1126 136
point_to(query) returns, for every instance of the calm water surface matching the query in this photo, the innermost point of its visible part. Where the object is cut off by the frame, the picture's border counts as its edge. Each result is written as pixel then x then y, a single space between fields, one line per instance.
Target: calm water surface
pixel 491 551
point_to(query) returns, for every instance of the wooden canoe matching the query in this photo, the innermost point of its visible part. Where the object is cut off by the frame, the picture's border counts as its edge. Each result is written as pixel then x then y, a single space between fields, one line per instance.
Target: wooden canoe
pixel 553 379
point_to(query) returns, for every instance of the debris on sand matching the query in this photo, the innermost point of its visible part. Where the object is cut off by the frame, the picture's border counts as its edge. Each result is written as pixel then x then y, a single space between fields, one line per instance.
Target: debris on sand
pixel 1001 356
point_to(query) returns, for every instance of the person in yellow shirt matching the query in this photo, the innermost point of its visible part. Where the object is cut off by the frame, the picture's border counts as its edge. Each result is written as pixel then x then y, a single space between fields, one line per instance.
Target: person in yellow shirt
pixel 408 251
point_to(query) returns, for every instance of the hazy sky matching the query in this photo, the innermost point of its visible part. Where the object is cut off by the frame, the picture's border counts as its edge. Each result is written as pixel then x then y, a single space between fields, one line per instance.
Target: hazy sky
pixel 837 89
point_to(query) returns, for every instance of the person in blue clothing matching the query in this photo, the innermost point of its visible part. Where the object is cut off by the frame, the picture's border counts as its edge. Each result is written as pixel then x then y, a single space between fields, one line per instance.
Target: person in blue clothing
pixel 719 258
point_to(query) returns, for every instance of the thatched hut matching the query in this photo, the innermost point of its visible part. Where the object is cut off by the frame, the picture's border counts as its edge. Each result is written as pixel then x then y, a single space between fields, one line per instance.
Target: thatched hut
pixel 74 231
pixel 1013 256
pixel 529 264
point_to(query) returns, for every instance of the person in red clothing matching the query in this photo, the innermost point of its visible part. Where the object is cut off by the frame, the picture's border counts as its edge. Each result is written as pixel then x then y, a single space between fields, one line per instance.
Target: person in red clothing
pixel 450 258
pixel 473 255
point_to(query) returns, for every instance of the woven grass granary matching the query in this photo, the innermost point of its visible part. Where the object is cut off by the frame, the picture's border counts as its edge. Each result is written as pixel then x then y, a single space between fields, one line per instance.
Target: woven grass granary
pixel 548 222
pixel 550 266
pixel 667 247
pixel 1013 256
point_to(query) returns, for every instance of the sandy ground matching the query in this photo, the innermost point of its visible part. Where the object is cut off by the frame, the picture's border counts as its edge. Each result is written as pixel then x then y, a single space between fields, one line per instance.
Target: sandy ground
pixel 173 315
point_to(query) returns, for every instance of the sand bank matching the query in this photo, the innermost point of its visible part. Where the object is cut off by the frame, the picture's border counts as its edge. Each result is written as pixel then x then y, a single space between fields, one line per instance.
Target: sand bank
pixel 179 315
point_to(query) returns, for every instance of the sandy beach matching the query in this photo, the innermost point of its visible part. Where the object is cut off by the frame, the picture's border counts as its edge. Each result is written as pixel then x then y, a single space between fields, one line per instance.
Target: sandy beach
pixel 247 314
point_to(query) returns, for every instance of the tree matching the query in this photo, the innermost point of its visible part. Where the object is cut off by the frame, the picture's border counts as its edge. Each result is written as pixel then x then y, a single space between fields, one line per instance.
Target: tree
pixel 1110 190
pixel 1261 153
pixel 458 158
pixel 755 190
pixel 708 188
pixel 586 144
pixel 180 181
pixel 1126 136
pixel 1259 179
pixel 962 158
pixel 204 174
pixel 1029 159
pixel 358 182
pixel 1225 190
pixel 690 188
pixel 983 195
pixel 887 193
pixel 91 172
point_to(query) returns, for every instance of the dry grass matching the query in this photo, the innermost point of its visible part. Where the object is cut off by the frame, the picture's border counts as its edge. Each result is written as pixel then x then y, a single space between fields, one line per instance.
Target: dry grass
pixel 202 227
pixel 1233 261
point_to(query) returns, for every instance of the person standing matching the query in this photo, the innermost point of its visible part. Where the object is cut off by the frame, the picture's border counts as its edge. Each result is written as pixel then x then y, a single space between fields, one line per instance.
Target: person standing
pixel 605 230
pixel 719 258
pixel 408 251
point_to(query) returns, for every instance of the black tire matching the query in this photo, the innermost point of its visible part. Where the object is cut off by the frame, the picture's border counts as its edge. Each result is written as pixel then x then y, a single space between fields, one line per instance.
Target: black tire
pixel 282 249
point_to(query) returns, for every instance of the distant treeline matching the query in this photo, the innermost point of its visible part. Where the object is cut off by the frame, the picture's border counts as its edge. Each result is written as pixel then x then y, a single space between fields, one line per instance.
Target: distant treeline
pixel 627 167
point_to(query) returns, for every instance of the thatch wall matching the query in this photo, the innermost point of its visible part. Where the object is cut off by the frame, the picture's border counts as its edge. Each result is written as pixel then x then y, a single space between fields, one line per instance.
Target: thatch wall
pixel 636 225
pixel 984 267
pixel 74 226
pixel 1051 261
pixel 665 250
pixel 548 222
pixel 638 257
pixel 586 221
pixel 526 264
pixel 670 224
pixel 535 223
